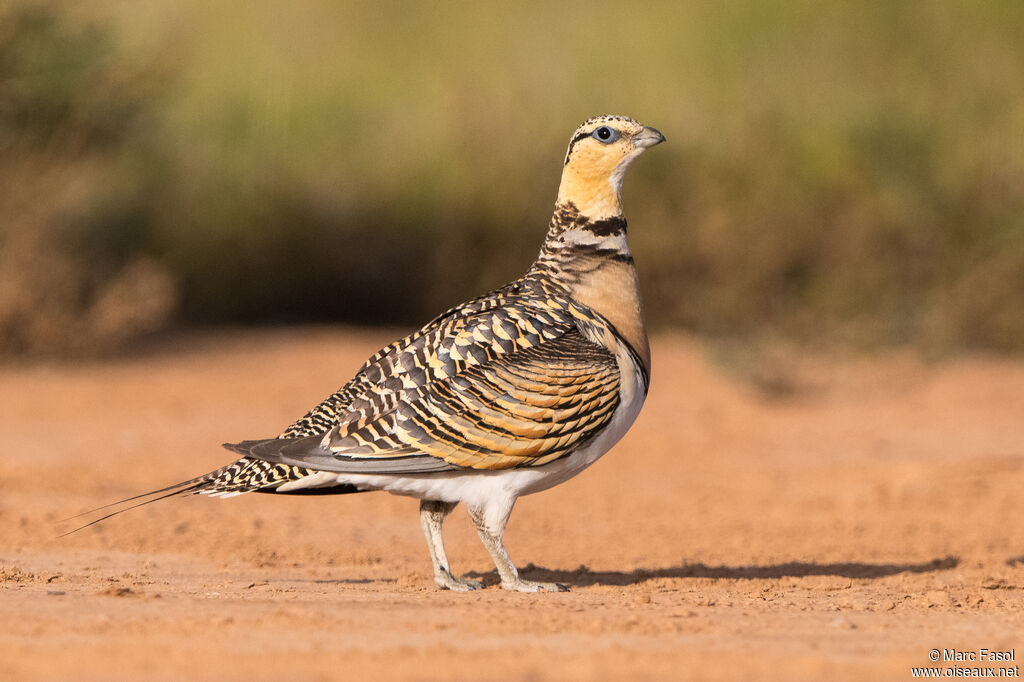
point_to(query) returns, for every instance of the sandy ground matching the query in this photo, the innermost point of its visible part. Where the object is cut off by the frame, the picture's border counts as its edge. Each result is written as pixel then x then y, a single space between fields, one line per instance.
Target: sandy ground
pixel 841 530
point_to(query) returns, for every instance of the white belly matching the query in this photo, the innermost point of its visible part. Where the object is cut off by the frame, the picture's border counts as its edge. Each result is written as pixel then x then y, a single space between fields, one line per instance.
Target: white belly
pixel 478 486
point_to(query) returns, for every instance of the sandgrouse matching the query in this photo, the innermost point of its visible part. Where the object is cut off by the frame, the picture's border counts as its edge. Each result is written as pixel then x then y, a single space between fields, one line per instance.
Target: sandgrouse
pixel 508 394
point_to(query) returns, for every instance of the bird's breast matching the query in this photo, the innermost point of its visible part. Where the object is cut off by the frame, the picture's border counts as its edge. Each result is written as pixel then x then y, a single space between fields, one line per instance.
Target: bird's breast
pixel 612 291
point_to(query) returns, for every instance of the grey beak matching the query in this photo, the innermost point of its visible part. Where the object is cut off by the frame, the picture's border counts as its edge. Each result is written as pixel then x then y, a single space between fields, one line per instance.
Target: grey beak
pixel 648 137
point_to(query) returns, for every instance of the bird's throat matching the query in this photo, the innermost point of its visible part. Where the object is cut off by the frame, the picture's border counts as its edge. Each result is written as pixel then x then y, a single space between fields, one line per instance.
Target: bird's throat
pixel 594 195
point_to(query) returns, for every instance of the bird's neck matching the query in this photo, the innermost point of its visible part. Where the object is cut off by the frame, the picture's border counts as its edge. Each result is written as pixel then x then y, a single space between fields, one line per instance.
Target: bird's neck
pixel 592 190
pixel 590 258
pixel 575 238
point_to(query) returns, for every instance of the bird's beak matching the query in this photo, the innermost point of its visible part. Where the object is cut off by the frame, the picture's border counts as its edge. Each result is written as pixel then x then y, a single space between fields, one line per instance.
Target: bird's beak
pixel 648 137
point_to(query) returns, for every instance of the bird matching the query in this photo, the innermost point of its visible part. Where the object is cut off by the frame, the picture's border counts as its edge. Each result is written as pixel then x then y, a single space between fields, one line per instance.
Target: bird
pixel 505 395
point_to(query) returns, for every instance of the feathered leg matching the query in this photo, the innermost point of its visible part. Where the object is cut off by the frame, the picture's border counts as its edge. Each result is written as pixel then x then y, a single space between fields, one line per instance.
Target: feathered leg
pixel 432 514
pixel 490 520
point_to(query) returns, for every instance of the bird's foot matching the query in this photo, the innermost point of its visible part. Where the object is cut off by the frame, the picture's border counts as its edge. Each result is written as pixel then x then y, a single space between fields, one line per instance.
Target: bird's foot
pixel 446 581
pixel 520 585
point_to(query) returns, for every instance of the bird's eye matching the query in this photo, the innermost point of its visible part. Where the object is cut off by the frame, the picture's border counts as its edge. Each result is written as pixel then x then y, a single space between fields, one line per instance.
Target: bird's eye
pixel 606 134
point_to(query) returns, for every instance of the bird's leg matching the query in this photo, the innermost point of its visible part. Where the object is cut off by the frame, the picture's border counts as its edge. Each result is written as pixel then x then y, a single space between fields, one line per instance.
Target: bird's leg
pixel 432 513
pixel 490 523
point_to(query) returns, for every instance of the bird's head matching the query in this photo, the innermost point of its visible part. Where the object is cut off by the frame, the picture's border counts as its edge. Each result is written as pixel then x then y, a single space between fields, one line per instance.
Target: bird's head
pixel 599 153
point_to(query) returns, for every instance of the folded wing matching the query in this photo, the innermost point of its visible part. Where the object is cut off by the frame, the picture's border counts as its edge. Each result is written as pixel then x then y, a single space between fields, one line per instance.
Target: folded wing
pixel 502 390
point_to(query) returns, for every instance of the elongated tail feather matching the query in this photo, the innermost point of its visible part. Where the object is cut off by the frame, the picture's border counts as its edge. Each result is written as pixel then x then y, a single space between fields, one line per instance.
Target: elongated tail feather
pixel 245 475
pixel 183 488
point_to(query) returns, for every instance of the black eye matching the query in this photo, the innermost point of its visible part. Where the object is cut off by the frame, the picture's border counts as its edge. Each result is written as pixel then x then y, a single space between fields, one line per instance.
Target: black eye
pixel 606 134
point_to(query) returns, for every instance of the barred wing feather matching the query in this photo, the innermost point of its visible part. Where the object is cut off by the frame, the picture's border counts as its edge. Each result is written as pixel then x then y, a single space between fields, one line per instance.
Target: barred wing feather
pixel 509 403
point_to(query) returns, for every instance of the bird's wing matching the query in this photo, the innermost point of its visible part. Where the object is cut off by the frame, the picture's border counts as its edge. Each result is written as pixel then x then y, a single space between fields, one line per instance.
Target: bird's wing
pixel 507 387
pixel 409 353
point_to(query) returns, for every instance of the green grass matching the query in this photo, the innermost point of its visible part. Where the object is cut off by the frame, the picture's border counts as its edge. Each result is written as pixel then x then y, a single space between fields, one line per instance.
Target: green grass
pixel 847 172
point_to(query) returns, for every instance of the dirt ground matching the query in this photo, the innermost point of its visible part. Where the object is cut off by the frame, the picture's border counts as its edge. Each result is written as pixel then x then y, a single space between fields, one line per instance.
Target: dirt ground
pixel 841 528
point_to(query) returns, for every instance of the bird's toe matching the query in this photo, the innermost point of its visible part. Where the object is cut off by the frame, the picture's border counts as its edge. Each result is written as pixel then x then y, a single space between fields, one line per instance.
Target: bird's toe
pixel 447 581
pixel 520 585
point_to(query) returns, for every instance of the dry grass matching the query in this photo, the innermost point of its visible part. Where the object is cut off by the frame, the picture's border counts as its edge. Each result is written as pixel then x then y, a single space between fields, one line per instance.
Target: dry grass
pixel 838 172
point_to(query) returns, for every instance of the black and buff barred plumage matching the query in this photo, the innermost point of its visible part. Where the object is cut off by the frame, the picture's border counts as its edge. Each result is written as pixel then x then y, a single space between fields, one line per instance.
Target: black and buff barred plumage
pixel 502 396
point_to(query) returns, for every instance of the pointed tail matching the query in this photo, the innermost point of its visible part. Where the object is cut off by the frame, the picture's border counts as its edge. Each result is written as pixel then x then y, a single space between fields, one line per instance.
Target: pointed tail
pixel 191 486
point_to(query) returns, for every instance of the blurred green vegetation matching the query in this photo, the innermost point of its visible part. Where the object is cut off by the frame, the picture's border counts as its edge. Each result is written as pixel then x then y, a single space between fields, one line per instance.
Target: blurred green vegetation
pixel 836 173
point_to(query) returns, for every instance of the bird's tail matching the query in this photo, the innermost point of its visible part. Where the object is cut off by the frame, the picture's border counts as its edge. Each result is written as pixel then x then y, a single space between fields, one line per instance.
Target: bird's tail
pixel 191 486
pixel 245 475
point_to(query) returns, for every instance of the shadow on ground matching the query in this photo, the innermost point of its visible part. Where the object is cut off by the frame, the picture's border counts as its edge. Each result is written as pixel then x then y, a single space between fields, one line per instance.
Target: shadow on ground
pixel 584 577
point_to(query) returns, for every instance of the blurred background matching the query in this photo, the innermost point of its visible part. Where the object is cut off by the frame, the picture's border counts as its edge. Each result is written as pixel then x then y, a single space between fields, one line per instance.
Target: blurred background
pixel 845 174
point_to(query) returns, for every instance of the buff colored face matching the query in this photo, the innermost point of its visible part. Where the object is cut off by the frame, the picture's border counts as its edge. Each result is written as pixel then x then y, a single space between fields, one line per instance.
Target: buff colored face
pixel 599 153
pixel 597 147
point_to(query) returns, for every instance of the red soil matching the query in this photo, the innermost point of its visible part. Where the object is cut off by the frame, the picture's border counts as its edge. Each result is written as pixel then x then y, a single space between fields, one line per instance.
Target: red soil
pixel 839 532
